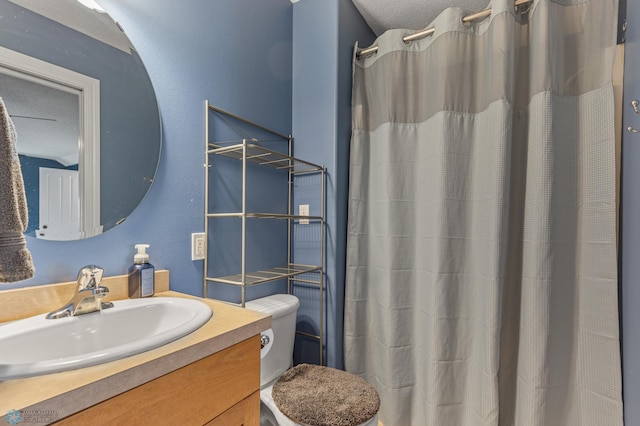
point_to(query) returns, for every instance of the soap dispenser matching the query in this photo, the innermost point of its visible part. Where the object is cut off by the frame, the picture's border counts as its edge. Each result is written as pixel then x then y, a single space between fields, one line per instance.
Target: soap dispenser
pixel 141 283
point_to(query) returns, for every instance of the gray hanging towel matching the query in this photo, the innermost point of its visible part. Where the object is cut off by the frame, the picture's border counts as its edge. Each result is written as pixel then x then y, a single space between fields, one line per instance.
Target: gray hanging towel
pixel 15 259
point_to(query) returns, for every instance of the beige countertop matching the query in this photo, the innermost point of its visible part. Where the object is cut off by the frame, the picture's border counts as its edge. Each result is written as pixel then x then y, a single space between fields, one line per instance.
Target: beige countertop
pixel 62 394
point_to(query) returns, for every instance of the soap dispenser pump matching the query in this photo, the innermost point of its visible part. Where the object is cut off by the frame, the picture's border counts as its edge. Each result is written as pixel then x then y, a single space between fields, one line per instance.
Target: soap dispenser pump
pixel 141 277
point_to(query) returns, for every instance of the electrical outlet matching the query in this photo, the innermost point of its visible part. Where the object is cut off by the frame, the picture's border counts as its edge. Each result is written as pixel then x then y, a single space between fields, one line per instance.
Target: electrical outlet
pixel 303 210
pixel 198 242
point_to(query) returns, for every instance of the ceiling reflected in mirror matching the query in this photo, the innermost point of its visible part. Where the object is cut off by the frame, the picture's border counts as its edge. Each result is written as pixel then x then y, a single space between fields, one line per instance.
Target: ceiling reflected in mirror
pixel 37 109
pixel 84 16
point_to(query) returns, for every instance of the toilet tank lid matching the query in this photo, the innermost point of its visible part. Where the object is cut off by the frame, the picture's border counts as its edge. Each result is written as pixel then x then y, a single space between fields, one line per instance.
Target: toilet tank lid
pixel 277 305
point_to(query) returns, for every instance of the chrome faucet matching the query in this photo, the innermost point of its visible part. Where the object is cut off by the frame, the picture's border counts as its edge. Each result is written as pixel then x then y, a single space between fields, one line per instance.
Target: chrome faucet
pixel 88 296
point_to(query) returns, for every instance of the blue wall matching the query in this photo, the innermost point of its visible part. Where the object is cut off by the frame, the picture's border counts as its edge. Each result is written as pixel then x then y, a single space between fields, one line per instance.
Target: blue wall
pixel 286 66
pixel 237 54
pixel 324 32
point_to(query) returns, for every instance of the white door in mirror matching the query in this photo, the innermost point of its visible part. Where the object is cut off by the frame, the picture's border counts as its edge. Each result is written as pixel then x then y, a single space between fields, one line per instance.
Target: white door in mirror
pixel 59 205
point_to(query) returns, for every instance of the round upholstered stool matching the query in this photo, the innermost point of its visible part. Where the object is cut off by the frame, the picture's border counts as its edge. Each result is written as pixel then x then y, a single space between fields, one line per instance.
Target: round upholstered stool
pixel 321 396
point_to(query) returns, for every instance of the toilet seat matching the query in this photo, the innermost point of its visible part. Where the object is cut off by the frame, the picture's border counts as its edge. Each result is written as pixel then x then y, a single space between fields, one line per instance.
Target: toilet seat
pixel 317 395
pixel 274 414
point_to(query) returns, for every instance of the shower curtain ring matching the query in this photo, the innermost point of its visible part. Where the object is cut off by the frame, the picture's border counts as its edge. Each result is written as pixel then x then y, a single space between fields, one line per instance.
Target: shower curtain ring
pixel 523 9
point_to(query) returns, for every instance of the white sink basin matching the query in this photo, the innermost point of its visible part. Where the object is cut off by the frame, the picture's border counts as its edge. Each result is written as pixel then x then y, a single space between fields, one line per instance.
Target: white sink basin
pixel 36 345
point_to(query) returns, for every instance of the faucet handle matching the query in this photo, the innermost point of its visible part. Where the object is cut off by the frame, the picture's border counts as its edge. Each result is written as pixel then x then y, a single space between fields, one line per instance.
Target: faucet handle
pixel 100 291
pixel 90 276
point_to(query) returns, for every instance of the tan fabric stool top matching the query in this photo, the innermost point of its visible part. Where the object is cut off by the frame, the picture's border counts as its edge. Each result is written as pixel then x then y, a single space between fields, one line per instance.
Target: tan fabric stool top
pixel 322 396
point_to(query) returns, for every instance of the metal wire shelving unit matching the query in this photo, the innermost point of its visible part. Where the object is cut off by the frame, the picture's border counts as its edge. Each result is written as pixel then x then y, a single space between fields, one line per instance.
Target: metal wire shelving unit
pixel 250 153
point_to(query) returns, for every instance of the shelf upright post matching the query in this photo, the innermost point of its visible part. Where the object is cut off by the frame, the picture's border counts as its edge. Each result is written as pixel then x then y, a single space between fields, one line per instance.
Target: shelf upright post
pixel 206 198
pixel 322 255
pixel 244 221
pixel 290 222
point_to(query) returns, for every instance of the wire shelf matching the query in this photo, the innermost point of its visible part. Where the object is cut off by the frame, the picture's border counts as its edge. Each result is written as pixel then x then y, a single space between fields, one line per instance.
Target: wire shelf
pixel 245 147
pixel 267 275
pixel 266 216
pixel 263 156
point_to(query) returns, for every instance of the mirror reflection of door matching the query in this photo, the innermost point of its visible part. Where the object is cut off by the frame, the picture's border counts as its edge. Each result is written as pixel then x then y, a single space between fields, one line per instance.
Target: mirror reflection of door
pixel 47 109
pixel 59 205
pixel 46 120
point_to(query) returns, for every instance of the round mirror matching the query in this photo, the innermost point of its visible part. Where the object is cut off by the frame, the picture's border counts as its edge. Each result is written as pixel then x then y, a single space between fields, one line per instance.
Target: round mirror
pixel 86 115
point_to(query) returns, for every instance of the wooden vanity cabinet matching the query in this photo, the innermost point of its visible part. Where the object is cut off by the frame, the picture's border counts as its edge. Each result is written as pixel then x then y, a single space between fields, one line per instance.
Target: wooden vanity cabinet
pixel 221 389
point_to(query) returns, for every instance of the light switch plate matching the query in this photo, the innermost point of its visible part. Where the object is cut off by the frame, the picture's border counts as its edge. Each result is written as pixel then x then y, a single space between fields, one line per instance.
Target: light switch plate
pixel 303 210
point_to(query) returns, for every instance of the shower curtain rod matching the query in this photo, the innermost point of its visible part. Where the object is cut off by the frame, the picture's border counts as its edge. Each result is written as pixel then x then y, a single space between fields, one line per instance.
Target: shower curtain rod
pixel 429 31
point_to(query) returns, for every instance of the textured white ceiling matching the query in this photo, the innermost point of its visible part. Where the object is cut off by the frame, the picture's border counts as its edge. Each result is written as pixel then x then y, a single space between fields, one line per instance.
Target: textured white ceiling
pixel 74 15
pixel 46 119
pixel 382 15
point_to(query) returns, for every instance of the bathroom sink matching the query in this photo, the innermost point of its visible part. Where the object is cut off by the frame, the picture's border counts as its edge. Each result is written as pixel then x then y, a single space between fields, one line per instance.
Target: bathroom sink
pixel 36 345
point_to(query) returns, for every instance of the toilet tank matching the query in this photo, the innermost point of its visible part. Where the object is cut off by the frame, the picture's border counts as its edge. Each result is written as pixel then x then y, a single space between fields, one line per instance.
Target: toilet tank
pixel 283 309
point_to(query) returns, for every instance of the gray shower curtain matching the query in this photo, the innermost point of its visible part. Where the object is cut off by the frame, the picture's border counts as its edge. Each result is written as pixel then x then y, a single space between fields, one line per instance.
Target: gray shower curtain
pixel 481 255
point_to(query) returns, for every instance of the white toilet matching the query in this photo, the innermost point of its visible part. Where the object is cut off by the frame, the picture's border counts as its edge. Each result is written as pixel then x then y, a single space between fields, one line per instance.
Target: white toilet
pixel 277 354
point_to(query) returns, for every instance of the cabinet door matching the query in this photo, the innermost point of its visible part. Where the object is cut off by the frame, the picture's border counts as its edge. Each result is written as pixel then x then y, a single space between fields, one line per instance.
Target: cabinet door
pixel 244 413
pixel 194 394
